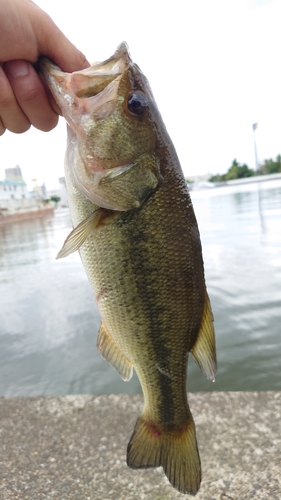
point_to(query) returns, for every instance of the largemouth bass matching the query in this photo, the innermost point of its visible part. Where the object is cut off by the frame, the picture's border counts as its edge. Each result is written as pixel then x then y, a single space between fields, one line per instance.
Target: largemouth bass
pixel 137 235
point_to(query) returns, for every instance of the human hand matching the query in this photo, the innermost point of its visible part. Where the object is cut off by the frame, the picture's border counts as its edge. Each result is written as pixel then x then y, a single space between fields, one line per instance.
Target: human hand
pixel 26 33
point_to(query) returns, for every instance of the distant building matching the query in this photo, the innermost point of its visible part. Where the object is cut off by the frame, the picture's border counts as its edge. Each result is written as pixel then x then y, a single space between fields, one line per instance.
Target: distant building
pixel 44 191
pixel 13 191
pixel 39 193
pixel 13 194
pixel 14 174
pixel 200 178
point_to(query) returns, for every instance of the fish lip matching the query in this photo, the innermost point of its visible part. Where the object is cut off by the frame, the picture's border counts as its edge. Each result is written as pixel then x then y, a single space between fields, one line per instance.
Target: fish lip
pixel 57 81
pixel 117 63
pixel 91 91
pixel 60 81
pixel 51 70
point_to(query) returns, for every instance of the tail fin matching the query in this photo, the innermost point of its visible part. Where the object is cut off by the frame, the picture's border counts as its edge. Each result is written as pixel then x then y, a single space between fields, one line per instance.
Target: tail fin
pixel 176 450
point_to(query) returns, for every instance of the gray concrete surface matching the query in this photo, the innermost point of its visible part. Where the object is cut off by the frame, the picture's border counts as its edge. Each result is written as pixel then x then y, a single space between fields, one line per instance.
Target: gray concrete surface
pixel 74 447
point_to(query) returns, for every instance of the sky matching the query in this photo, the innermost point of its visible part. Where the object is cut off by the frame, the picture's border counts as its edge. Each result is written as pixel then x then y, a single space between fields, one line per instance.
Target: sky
pixel 213 66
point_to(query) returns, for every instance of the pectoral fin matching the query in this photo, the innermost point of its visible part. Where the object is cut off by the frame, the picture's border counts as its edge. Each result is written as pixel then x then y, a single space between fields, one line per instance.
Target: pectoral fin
pixel 204 348
pixel 79 235
pixel 111 352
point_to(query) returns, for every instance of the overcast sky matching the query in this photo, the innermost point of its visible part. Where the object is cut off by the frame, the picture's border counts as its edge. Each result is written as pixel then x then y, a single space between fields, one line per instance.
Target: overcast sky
pixel 214 68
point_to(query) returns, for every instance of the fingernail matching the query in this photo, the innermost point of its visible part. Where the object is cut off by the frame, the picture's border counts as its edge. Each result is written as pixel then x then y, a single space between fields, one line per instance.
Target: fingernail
pixel 17 68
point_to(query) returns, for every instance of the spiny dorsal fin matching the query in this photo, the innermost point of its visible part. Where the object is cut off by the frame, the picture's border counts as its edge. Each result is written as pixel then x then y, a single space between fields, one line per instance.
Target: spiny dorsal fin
pixel 79 235
pixel 204 349
pixel 109 351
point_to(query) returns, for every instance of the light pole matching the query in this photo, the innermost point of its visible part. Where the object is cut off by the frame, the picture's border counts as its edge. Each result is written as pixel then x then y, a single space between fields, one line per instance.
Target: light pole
pixel 255 126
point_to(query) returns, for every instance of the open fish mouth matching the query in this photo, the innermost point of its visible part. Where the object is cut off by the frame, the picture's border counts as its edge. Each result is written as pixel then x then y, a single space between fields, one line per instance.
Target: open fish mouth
pixel 99 81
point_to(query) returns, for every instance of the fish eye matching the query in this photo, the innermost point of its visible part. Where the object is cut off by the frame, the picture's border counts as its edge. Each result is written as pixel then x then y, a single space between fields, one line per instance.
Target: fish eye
pixel 137 104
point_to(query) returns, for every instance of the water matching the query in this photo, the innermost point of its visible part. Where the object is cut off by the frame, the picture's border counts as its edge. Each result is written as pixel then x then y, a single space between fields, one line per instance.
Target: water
pixel 49 321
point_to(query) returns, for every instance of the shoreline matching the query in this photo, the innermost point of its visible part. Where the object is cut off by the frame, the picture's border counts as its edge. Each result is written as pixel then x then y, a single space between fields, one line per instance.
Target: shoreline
pixel 7 218
pixel 248 180
pixel 200 184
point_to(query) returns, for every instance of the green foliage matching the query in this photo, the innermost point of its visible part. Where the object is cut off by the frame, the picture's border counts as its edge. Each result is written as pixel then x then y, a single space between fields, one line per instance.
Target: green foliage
pixel 54 198
pixel 217 178
pixel 237 171
pixel 270 166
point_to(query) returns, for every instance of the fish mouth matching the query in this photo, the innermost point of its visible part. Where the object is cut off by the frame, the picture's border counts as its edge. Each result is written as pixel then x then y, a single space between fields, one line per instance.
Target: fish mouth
pixel 89 90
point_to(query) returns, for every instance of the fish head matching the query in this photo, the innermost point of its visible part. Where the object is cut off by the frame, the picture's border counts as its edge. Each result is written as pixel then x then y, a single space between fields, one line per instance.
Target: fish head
pixel 112 135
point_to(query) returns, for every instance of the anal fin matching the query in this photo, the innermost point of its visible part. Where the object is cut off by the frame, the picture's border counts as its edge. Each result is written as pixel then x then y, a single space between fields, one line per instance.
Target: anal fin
pixel 204 348
pixel 111 353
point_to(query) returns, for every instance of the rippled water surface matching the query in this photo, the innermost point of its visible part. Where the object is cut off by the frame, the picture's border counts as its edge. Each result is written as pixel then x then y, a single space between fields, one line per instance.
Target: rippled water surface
pixel 49 321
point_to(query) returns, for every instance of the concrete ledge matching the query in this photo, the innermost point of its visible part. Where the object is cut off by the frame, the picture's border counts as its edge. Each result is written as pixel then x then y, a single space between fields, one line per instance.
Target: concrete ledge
pixel 74 447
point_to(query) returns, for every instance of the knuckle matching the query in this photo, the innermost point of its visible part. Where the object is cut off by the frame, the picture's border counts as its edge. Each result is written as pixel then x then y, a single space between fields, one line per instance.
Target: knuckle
pixel 29 94
pixel 6 99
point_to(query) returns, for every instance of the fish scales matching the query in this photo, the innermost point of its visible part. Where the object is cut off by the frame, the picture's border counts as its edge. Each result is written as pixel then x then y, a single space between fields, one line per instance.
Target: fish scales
pixel 139 242
pixel 142 300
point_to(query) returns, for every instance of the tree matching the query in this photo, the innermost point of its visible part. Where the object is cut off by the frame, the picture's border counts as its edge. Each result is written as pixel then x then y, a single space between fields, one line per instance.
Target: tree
pixel 235 171
pixel 55 198
pixel 271 166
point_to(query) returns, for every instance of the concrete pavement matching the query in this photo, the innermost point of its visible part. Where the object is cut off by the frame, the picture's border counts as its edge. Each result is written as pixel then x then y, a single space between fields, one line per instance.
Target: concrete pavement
pixel 73 448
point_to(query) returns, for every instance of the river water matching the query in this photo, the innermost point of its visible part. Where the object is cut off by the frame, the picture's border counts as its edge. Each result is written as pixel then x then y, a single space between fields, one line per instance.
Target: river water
pixel 49 321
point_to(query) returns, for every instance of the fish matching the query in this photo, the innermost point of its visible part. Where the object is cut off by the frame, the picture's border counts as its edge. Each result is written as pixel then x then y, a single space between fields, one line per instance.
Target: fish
pixel 136 231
